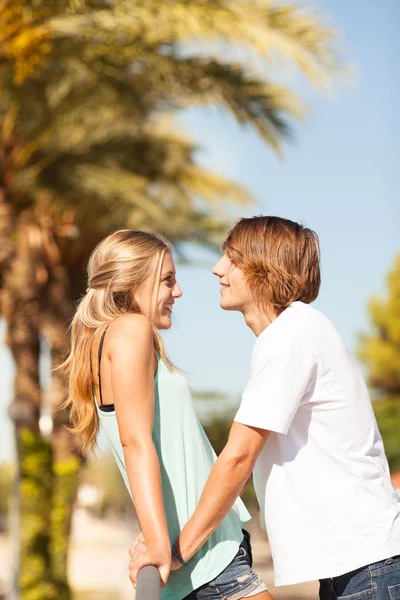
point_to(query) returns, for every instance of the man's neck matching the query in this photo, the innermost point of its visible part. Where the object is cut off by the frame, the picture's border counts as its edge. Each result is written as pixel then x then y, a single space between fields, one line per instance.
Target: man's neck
pixel 257 320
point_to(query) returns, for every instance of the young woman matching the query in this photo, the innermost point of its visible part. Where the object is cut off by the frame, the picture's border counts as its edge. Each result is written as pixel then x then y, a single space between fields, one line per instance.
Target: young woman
pixel 121 378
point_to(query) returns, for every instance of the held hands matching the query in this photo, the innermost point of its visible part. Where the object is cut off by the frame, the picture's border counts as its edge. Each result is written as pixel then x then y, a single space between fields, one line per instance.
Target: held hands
pixel 175 564
pixel 141 555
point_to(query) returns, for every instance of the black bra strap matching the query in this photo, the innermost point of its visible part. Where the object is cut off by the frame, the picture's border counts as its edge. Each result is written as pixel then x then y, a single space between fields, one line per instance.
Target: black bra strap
pixel 98 368
pixel 91 370
pixel 99 363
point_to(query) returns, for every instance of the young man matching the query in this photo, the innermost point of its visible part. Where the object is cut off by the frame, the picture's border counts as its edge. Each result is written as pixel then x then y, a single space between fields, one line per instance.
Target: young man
pixel 305 427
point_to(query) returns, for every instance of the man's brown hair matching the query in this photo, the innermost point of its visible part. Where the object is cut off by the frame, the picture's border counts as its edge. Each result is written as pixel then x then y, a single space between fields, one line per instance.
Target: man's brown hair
pixel 280 259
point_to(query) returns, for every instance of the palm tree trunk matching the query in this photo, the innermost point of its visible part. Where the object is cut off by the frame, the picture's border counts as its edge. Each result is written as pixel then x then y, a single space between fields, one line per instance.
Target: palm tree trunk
pixel 21 308
pixel 34 471
pixel 36 305
pixel 66 458
pixel 6 241
pixel 6 228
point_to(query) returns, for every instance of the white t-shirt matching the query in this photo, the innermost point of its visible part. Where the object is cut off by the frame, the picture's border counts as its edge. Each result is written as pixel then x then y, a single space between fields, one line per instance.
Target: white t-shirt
pixel 322 478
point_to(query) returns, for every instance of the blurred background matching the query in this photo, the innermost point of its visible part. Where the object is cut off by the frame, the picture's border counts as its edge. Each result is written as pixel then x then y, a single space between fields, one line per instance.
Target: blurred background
pixel 179 116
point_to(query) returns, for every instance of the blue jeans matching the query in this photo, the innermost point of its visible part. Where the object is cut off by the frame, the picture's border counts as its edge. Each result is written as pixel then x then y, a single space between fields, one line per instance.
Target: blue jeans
pixel 379 581
pixel 237 581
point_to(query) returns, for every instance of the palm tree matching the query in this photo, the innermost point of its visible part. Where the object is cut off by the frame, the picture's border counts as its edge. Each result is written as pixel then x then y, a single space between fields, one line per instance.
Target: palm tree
pixel 88 94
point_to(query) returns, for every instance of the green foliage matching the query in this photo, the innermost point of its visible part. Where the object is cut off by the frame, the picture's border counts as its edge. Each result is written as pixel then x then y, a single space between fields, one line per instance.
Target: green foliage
pixel 210 395
pixel 380 350
pixel 217 430
pixel 35 498
pixel 65 482
pixel 116 153
pixel 23 40
pixel 388 416
pixel 6 478
pixel 380 353
pixel 95 595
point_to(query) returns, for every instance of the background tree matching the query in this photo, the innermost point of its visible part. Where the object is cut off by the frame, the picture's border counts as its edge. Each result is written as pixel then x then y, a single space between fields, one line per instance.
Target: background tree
pixel 380 353
pixel 88 92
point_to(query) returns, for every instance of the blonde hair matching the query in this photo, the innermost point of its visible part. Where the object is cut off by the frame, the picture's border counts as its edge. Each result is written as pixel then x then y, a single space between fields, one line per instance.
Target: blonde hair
pixel 279 258
pixel 118 266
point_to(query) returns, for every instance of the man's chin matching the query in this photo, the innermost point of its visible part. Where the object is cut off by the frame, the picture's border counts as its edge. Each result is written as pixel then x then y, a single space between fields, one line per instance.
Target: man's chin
pixel 226 306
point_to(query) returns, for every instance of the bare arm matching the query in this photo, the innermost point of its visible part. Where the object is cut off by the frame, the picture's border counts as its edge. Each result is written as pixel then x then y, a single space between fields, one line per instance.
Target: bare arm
pixel 226 481
pixel 247 482
pixel 132 378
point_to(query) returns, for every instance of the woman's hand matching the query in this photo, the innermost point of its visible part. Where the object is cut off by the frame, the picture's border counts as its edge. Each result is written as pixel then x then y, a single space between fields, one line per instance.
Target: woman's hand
pixel 141 556
pixel 139 540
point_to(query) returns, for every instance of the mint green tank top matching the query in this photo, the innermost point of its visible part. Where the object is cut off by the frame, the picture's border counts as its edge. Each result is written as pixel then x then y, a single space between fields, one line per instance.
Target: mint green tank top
pixel 186 458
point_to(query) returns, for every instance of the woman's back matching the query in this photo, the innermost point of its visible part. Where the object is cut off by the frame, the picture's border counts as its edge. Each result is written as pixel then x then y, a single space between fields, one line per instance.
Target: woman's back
pixel 186 458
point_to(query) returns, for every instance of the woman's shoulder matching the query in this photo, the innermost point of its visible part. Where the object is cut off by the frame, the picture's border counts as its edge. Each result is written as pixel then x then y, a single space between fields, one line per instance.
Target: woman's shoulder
pixel 131 320
pixel 130 329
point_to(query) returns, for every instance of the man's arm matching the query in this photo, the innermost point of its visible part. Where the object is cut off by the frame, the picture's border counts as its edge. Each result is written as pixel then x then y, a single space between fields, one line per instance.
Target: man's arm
pixel 226 481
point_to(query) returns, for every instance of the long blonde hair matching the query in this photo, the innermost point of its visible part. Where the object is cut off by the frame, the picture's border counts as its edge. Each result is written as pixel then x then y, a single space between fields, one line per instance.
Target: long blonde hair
pixel 117 268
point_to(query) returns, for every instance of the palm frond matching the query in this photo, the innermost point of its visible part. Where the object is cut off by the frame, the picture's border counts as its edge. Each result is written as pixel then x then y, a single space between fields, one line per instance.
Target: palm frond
pixel 272 30
pixel 91 111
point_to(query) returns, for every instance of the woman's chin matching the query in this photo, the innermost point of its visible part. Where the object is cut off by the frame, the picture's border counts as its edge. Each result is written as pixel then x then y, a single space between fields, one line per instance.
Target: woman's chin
pixel 164 323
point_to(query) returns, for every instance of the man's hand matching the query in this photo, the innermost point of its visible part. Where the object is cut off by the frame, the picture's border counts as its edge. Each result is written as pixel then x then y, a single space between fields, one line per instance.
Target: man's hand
pixel 226 482
pixel 141 556
pixel 175 564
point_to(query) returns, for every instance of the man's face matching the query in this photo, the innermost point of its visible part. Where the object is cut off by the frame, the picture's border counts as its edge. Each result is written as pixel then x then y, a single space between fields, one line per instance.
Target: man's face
pixel 235 292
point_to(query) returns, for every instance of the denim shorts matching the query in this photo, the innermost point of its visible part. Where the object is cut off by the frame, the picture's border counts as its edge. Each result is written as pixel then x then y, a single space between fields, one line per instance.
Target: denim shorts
pixel 379 581
pixel 238 580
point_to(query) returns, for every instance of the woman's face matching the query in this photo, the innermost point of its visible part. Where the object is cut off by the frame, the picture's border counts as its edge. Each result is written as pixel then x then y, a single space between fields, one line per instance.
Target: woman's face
pixel 168 291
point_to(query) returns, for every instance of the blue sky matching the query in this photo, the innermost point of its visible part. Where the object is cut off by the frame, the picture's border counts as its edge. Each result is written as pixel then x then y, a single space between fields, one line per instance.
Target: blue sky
pixel 339 177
